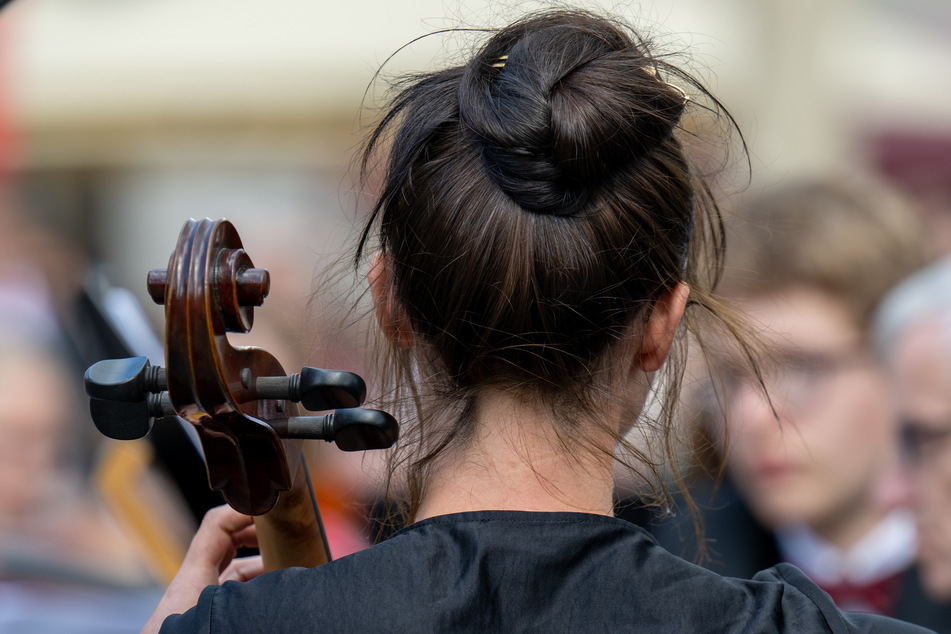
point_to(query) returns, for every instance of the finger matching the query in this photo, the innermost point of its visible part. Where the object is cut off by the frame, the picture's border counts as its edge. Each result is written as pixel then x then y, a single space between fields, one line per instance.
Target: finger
pixel 246 538
pixel 243 569
pixel 212 548
pixel 214 543
pixel 227 519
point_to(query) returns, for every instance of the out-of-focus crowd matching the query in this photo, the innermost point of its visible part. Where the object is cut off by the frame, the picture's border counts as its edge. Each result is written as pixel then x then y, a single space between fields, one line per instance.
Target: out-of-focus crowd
pixel 65 564
pixel 91 529
pixel 833 451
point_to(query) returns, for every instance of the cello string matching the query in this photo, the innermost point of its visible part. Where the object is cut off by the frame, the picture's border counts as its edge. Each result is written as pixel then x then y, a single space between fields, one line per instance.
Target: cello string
pixel 313 499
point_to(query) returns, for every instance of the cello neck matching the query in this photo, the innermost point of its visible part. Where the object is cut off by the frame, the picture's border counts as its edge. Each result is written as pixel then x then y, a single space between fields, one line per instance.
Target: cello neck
pixel 291 533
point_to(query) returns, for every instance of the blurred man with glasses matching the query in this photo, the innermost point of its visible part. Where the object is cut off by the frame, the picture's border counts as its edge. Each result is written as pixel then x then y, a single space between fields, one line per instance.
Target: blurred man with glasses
pixel 913 334
pixel 809 441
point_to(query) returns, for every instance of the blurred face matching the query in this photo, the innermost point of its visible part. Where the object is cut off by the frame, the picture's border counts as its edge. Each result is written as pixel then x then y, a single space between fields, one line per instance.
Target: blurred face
pixel 821 462
pixel 31 433
pixel 922 382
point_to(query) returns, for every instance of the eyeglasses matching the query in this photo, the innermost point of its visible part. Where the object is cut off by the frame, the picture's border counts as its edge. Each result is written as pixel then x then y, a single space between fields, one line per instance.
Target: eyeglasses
pixel 922 444
pixel 794 380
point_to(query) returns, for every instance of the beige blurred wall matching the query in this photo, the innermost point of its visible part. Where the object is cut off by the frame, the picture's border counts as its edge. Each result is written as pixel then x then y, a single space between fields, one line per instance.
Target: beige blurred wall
pixel 801 74
pixel 175 108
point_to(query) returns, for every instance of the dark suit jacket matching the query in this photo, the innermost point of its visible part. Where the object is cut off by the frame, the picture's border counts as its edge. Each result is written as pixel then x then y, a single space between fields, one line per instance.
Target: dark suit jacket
pixel 738 546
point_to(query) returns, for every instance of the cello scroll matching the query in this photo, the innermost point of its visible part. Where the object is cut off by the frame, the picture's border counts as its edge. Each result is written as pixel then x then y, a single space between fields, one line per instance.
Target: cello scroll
pixel 239 399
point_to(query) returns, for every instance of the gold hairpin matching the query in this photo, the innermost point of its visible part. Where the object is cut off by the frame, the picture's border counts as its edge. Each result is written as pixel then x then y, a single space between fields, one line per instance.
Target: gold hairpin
pixel 501 62
pixel 650 70
pixel 683 94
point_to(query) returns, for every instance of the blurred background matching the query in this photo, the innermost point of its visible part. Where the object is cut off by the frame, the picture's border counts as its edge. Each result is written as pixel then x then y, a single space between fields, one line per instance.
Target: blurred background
pixel 120 119
pixel 123 118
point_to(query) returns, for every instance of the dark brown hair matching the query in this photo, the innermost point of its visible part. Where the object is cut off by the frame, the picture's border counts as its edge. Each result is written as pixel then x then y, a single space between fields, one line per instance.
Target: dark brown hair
pixel 536 201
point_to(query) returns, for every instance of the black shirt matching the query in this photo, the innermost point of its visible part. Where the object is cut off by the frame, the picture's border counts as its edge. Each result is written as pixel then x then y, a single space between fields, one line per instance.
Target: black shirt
pixel 509 571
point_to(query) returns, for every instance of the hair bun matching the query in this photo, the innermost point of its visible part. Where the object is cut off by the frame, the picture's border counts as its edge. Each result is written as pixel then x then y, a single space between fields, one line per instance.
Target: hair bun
pixel 564 110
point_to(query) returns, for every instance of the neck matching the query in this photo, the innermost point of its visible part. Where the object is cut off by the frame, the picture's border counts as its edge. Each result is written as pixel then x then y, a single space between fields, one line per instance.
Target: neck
pixel 515 462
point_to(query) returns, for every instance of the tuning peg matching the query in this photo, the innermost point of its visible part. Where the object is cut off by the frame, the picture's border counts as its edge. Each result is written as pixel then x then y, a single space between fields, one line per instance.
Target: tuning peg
pixel 129 420
pixel 357 429
pixel 353 429
pixel 315 389
pixel 128 380
pixel 126 396
pixel 251 285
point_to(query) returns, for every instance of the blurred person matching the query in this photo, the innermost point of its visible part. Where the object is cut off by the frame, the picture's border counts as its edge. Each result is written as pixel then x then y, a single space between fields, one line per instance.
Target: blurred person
pixel 809 445
pixel 913 334
pixel 528 262
pixel 64 566
pixel 39 274
pixel 35 434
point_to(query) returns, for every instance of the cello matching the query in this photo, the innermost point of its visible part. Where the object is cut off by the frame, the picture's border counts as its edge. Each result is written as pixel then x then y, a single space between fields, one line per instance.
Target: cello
pixel 239 400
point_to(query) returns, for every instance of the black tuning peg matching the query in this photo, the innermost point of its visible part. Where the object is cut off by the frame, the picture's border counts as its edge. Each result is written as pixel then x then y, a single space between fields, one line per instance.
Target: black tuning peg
pixel 123 420
pixel 125 396
pixel 128 380
pixel 353 429
pixel 317 390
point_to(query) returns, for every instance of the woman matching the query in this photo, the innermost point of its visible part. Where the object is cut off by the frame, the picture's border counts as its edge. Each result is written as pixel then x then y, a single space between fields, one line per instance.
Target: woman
pixel 539 234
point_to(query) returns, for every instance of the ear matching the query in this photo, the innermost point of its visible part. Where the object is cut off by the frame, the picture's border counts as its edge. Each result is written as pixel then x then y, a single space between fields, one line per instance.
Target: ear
pixel 392 320
pixel 661 327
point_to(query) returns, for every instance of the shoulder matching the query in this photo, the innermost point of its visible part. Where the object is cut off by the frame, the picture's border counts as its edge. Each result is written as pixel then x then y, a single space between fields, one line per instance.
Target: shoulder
pixel 736 545
pixel 800 585
pixel 487 571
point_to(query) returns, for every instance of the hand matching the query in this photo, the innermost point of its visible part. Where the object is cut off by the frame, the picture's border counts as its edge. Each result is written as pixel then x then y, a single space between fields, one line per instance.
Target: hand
pixel 210 560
